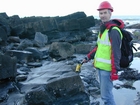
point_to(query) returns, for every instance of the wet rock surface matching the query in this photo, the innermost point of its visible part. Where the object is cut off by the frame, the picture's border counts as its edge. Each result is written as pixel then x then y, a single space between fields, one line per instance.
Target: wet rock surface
pixel 57 83
pixel 53 83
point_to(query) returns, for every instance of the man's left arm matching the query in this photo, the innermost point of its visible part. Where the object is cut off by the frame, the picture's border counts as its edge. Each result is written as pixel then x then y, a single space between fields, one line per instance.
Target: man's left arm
pixel 115 39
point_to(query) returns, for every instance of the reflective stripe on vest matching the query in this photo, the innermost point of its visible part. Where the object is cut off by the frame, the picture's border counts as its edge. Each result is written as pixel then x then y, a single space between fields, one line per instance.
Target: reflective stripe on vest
pixel 103 60
pixel 102 57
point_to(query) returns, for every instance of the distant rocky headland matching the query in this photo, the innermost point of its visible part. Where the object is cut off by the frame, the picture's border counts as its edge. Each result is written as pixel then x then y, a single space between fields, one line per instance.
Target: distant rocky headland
pixel 38 59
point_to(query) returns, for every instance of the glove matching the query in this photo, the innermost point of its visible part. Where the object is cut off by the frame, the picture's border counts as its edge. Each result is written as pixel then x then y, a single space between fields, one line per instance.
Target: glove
pixel 114 76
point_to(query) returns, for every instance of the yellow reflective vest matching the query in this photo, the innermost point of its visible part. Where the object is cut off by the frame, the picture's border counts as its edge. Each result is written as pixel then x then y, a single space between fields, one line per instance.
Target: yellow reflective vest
pixel 102 59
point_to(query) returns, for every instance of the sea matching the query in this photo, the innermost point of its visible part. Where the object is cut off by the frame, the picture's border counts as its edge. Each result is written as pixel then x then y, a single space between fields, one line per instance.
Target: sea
pixel 127 19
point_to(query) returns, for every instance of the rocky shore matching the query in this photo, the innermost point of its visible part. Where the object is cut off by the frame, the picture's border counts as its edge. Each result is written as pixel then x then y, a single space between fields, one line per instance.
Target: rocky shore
pixel 38 57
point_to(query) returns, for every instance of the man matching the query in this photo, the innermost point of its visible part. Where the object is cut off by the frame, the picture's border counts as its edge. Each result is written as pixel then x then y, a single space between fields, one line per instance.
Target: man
pixel 107 54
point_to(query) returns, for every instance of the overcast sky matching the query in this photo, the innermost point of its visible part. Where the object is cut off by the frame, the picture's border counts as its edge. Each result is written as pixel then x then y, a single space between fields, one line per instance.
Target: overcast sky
pixel 25 8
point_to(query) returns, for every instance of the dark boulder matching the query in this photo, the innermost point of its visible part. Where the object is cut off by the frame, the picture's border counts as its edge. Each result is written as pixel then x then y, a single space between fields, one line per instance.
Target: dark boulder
pixel 7 66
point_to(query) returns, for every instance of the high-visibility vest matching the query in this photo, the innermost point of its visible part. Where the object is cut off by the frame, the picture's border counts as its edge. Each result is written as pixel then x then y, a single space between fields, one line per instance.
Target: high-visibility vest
pixel 102 59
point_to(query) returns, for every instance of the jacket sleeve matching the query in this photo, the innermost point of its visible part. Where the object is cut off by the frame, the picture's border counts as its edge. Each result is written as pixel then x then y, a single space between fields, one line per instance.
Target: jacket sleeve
pixel 115 39
pixel 91 54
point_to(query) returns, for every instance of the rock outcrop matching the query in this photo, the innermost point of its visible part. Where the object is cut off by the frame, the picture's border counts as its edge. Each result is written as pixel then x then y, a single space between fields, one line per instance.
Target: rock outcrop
pixel 35 52
pixel 38 60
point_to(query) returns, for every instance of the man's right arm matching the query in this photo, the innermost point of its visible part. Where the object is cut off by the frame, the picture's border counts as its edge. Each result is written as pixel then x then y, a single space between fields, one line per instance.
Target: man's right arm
pixel 90 55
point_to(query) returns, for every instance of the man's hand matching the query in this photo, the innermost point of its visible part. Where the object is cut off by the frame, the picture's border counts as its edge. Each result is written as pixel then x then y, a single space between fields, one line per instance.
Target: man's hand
pixel 114 76
pixel 85 60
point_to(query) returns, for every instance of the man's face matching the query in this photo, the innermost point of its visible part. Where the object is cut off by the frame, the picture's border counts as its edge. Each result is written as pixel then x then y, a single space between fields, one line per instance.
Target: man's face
pixel 104 15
